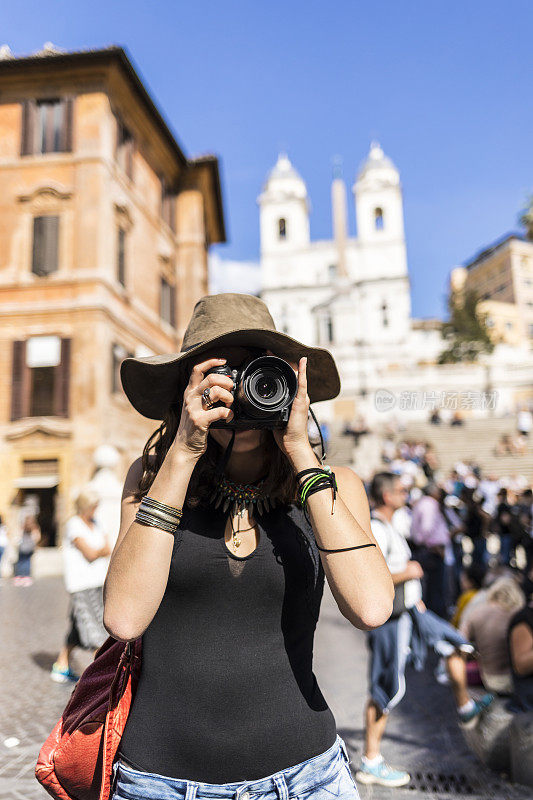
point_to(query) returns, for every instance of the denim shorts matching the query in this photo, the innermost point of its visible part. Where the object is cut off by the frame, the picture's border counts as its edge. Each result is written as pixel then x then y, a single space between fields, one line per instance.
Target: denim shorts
pixel 326 776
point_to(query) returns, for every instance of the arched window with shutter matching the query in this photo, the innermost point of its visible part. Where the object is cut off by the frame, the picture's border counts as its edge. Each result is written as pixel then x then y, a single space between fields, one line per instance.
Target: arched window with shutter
pixel 282 228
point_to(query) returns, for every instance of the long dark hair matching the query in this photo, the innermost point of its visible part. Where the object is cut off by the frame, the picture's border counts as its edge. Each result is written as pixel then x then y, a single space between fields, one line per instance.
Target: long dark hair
pixel 280 481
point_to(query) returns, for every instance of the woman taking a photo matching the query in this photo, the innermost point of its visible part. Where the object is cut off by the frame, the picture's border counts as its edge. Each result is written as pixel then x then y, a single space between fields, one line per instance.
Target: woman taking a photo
pixel 220 568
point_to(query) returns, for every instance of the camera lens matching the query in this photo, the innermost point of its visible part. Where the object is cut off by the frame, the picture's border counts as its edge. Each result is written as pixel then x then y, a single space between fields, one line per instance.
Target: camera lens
pixel 266 387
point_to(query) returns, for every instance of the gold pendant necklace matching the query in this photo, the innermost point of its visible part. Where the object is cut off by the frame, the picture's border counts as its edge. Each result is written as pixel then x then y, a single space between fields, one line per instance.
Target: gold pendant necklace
pixel 236 542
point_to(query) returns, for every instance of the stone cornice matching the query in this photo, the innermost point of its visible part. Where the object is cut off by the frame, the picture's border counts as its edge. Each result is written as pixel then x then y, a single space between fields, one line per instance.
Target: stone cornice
pixel 92 303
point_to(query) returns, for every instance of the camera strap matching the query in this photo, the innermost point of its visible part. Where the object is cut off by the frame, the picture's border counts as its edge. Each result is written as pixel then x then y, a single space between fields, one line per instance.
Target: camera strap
pixel 225 455
pixel 322 444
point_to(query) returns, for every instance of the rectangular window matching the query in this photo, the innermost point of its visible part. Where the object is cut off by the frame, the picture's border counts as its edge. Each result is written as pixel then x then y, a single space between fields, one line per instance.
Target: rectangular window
pixel 325 332
pixel 168 303
pixel 125 148
pixel 47 126
pixel 118 354
pixel 40 377
pixel 45 245
pixel 168 205
pixel 329 329
pixel 42 391
pixel 121 256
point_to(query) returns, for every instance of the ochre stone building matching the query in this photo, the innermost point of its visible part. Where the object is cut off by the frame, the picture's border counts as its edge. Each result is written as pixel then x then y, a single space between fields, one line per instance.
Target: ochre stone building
pixel 105 227
pixel 502 277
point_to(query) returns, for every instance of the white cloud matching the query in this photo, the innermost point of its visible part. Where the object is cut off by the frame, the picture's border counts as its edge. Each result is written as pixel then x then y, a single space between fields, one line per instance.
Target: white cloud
pixel 233 276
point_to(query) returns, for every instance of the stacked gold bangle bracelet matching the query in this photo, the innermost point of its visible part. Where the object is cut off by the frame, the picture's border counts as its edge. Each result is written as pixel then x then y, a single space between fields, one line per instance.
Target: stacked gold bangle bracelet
pixel 158 515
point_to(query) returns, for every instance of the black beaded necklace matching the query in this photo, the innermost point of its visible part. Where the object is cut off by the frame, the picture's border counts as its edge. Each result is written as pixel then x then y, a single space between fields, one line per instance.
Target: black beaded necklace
pixel 238 498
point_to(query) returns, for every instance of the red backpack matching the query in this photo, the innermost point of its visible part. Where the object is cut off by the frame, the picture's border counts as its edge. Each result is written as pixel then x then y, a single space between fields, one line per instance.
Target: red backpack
pixel 76 760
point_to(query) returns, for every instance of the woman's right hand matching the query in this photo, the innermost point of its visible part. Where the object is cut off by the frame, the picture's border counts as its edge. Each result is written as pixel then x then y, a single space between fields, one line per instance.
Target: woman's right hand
pixel 191 437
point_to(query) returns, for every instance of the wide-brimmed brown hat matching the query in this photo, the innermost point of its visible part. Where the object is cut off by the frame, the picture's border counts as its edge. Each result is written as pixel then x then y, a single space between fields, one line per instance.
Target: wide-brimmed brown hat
pixel 150 383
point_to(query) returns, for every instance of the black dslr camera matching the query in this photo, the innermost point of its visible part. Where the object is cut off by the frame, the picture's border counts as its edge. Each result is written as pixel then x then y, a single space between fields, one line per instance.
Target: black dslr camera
pixel 263 390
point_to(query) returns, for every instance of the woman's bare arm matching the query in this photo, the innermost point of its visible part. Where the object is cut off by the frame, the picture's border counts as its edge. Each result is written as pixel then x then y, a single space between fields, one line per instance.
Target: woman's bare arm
pixel 140 562
pixel 360 580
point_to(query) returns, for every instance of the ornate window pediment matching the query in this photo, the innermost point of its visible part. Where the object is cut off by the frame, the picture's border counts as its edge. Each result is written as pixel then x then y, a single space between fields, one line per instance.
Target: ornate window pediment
pixel 43 430
pixel 44 197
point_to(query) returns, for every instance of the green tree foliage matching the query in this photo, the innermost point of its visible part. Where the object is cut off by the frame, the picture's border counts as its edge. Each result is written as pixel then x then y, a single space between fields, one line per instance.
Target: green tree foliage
pixel 466 330
pixel 526 218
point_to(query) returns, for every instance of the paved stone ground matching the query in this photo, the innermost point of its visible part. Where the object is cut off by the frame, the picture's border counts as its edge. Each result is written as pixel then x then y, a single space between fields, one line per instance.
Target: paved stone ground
pixel 422 735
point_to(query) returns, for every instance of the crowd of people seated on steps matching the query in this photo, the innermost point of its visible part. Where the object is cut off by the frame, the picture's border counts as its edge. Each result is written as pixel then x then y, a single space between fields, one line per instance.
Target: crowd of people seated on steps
pixel 472 535
pixel 460 551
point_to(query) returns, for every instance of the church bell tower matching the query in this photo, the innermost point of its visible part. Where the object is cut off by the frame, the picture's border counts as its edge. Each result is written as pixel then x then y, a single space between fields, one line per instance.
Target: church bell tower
pixel 378 199
pixel 284 210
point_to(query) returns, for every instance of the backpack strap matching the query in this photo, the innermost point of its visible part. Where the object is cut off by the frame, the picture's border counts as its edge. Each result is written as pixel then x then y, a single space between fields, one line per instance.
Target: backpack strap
pixel 119 687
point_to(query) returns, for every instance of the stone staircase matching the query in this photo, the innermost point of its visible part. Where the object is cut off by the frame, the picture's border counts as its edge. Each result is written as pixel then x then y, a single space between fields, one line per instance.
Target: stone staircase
pixel 475 440
pixel 339 449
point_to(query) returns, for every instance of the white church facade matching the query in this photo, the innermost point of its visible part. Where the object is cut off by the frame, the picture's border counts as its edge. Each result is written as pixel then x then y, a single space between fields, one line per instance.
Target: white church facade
pixel 351 295
pixel 348 294
pixel 300 277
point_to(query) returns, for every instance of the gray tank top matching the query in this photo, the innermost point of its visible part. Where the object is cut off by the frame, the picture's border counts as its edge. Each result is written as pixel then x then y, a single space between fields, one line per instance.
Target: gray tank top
pixel 227 690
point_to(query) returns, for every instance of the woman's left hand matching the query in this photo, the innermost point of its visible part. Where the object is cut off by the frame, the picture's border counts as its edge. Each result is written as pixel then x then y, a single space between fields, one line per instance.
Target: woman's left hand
pixel 293 440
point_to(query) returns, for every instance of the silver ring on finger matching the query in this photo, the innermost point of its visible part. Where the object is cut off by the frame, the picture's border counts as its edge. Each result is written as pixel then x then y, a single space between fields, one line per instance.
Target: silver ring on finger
pixel 207 399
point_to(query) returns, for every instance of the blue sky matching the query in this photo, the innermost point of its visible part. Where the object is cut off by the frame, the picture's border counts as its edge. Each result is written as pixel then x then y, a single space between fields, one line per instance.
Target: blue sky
pixel 445 87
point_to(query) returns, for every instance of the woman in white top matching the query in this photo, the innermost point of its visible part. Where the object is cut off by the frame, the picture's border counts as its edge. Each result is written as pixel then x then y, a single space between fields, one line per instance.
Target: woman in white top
pixel 86 552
